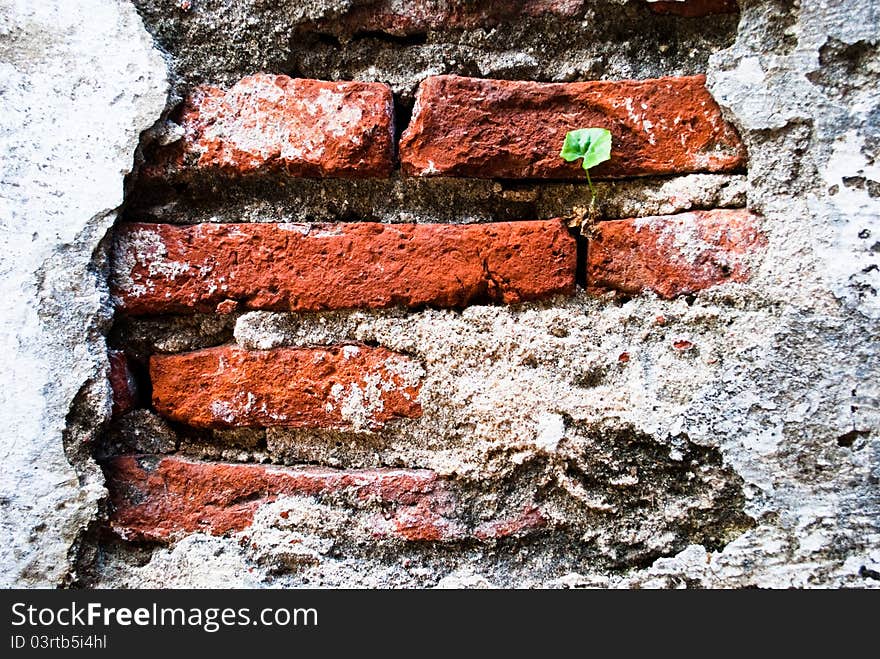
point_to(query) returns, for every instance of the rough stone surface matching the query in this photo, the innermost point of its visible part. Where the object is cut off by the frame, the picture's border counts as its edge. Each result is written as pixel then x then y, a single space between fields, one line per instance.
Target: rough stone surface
pixel 672 255
pixel 162 268
pixel 339 387
pixel 275 124
pixel 515 129
pixel 80 81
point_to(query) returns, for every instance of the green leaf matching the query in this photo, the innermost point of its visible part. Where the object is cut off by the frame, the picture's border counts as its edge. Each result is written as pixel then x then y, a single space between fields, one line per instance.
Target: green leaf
pixel 591 144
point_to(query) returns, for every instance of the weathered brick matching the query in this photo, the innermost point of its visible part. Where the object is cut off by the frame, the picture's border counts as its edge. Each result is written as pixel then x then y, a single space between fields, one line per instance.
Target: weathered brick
pixel 335 387
pixel 404 19
pixel 694 8
pixel 160 498
pixel 163 268
pixel 123 387
pixel 672 255
pixel 275 124
pixel 529 520
pixel 515 129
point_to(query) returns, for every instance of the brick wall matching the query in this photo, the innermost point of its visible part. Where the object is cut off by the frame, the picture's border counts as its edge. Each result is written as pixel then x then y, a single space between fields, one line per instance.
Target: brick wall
pixel 271 130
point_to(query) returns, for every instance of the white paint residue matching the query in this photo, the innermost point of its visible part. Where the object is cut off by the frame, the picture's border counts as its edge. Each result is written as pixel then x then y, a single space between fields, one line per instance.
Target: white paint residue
pixel 409 372
pixel 551 431
pixel 361 403
pixel 634 117
pixel 749 71
pixel 638 118
pixel 329 231
pixel 766 441
pixel 291 152
pixel 223 411
pixel 338 117
pixel 143 249
pixel 295 227
pixel 356 406
pixel 241 122
pixel 852 262
pixel 682 236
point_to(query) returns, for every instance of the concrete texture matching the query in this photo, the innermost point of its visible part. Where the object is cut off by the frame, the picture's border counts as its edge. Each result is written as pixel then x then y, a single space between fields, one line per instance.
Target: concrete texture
pixel 725 439
pixel 80 81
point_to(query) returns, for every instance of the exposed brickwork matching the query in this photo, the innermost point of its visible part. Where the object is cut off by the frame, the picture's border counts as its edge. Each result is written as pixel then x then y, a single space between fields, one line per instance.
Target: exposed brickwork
pixel 158 498
pixel 530 520
pixel 355 405
pixel 122 383
pixel 161 498
pixel 339 387
pixel 275 124
pixel 672 255
pixel 514 129
pixel 164 268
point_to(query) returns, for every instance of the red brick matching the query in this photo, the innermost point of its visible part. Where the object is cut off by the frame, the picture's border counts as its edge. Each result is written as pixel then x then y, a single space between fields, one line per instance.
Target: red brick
pixel 335 387
pixel 168 269
pixel 275 124
pixel 695 8
pixel 515 129
pixel 672 255
pixel 160 498
pixel 529 520
pixel 123 388
pixel 428 520
pixel 393 17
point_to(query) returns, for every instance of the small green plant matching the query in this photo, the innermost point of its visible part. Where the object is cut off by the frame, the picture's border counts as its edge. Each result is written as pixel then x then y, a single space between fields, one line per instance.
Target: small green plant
pixel 594 146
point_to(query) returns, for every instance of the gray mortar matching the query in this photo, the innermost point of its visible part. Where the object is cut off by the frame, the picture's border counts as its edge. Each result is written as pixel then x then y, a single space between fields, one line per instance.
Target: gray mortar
pixel 406 199
pixel 774 412
pixel 141 337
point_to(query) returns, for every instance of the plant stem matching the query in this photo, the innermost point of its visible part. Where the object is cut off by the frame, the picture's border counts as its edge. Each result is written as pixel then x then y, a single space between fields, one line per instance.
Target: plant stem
pixel 592 196
pixel 592 189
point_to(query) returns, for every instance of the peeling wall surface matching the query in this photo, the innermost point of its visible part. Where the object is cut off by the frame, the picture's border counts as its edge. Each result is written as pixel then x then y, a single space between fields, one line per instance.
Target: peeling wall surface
pixel 723 437
pixel 80 81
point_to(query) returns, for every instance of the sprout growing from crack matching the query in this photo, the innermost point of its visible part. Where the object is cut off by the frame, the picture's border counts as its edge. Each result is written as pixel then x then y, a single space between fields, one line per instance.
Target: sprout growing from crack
pixel 594 146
